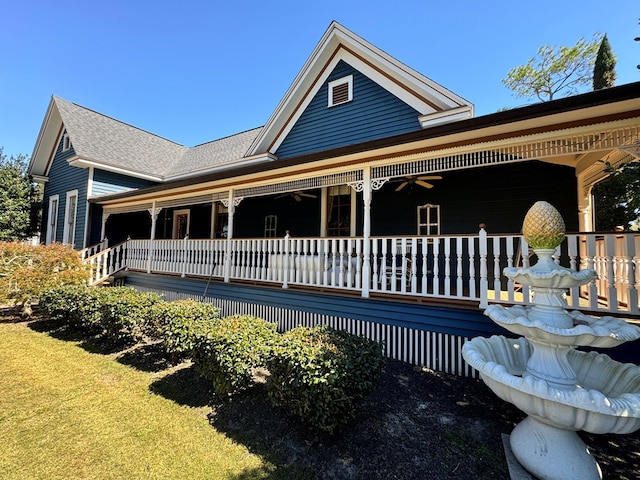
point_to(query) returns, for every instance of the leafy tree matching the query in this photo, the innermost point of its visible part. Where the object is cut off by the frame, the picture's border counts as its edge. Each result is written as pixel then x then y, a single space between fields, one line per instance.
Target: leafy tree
pixel 617 199
pixel 19 199
pixel 604 70
pixel 554 71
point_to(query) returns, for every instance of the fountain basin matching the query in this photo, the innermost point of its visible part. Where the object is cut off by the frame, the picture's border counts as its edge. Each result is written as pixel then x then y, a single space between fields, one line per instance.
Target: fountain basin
pixel 546 274
pixel 606 398
pixel 602 332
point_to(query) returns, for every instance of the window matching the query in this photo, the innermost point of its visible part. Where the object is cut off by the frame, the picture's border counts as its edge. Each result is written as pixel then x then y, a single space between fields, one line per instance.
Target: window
pixel 52 220
pixel 71 207
pixel 221 221
pixel 340 91
pixel 181 222
pixel 66 142
pixel 339 213
pixel 270 226
pixel 429 219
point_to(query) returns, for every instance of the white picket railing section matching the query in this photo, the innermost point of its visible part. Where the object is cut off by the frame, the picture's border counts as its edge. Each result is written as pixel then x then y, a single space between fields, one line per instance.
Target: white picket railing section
pixel 460 267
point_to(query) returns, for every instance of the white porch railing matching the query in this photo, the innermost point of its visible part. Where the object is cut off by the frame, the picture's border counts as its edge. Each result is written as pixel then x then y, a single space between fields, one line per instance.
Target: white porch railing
pixel 461 267
pixel 107 262
pixel 85 253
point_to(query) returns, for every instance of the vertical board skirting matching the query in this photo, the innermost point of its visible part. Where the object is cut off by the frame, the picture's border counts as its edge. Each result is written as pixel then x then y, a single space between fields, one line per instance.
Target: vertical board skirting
pixel 441 352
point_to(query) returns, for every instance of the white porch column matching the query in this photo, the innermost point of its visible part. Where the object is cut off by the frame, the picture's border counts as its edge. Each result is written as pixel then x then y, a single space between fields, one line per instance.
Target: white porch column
pixel 366 231
pixel 367 187
pixel 153 211
pixel 585 208
pixel 231 203
pixel 103 230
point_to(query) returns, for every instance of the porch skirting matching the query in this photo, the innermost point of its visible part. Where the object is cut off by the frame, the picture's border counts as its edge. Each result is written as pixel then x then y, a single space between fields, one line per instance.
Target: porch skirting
pixel 430 337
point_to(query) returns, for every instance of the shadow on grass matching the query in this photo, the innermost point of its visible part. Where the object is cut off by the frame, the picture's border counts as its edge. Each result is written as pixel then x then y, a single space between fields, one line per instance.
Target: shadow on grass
pixel 147 358
pixel 185 387
pixel 251 420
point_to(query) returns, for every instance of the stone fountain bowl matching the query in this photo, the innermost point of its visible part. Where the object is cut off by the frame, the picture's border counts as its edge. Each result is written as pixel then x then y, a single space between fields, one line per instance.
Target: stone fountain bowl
pixel 550 275
pixel 603 332
pixel 606 398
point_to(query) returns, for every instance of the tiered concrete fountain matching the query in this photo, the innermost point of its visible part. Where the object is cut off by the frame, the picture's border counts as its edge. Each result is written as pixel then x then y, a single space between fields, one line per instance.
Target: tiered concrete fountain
pixel 561 389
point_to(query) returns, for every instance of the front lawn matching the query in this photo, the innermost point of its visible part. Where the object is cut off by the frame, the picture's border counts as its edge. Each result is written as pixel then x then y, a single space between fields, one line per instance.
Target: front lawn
pixel 66 413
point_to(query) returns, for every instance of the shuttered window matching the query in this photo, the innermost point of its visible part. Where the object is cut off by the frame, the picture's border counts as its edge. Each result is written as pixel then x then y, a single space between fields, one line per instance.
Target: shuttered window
pixel 340 91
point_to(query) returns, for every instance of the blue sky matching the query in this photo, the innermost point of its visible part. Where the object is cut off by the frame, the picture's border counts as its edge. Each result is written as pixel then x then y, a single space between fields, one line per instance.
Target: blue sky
pixel 197 70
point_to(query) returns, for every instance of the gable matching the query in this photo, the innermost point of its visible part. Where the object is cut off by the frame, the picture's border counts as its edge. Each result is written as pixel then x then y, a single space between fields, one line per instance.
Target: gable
pixel 372 113
pixel 434 103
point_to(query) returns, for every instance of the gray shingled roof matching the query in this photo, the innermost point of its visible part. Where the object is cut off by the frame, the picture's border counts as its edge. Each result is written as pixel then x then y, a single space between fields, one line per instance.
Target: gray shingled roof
pixel 215 153
pixel 107 141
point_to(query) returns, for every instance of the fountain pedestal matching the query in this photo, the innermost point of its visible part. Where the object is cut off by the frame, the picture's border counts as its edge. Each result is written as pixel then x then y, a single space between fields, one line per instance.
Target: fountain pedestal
pixel 561 389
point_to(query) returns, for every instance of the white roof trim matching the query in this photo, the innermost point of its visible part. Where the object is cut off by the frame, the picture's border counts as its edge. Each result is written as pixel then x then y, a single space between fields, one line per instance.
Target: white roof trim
pixel 339 43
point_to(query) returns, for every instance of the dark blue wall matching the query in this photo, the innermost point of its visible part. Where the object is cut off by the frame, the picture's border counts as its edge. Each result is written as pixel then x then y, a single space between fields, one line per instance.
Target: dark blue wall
pixel 108 182
pixel 373 113
pixel 64 178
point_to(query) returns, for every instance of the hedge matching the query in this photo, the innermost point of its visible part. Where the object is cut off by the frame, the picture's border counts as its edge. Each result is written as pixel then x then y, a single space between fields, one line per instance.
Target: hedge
pixel 320 374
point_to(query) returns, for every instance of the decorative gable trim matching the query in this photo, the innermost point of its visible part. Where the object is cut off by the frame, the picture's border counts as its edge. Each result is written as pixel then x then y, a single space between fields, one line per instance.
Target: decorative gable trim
pixel 338 43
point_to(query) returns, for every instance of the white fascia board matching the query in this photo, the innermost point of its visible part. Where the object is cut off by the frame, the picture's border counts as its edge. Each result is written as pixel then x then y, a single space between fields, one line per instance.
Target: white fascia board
pixel 40 178
pixel 46 143
pixel 241 162
pixel 447 116
pixel 84 163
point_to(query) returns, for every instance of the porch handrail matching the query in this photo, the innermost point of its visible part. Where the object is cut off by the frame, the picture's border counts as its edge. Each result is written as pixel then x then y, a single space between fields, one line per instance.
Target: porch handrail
pixel 107 262
pixel 460 267
pixel 92 250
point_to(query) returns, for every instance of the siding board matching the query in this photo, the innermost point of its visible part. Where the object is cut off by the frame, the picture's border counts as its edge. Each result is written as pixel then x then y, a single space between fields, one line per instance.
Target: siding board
pixel 373 113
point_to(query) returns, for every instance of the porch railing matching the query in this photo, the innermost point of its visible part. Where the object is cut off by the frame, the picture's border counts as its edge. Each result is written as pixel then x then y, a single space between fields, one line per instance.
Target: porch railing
pixel 460 267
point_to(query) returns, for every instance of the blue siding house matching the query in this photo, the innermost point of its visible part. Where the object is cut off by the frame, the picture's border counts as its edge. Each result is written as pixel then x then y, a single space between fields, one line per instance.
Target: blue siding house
pixel 372 199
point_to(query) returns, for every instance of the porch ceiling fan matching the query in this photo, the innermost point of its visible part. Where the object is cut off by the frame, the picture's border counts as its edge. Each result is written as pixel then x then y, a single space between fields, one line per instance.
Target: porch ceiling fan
pixel 418 180
pixel 297 196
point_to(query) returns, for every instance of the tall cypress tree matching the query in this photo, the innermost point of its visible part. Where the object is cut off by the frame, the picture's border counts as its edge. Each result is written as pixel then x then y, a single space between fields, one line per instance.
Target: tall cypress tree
pixel 604 70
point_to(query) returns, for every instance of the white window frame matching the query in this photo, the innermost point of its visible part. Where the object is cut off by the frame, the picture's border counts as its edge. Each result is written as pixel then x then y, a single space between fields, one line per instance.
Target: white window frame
pixel 52 219
pixel 69 233
pixel 349 81
pixel 324 211
pixel 432 226
pixel 66 142
pixel 186 212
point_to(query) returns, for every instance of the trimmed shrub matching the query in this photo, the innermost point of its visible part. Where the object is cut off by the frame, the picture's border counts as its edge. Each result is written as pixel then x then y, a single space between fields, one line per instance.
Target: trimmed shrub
pixel 320 374
pixel 124 312
pixel 179 323
pixel 76 305
pixel 26 270
pixel 229 352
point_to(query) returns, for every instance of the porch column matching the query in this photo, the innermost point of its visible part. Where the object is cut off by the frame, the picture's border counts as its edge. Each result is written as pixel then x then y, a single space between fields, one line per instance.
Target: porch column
pixel 585 208
pixel 154 212
pixel 366 231
pixel 103 230
pixel 231 203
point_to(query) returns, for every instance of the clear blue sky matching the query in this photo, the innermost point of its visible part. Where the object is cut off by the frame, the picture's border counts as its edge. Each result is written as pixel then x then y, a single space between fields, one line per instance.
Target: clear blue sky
pixel 197 70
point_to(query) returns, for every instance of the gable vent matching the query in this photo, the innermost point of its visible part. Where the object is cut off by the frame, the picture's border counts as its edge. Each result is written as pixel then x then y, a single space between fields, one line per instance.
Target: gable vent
pixel 340 91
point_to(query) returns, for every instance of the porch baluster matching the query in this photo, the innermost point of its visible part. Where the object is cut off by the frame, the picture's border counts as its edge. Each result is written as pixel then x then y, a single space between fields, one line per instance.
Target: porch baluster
pixel 459 267
pixel 484 282
pixel 472 266
pixel 436 266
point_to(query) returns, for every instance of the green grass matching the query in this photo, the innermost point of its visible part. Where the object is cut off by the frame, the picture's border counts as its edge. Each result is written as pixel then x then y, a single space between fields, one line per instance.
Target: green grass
pixel 69 414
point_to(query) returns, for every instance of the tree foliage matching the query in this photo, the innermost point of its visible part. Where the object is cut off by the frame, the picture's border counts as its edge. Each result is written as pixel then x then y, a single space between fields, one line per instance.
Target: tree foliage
pixel 617 199
pixel 604 70
pixel 19 199
pixel 554 71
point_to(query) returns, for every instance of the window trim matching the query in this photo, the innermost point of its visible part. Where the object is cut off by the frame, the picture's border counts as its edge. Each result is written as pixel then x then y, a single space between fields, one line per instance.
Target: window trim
pixel 429 208
pixel 186 212
pixel 52 219
pixel 69 234
pixel 66 142
pixel 335 83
